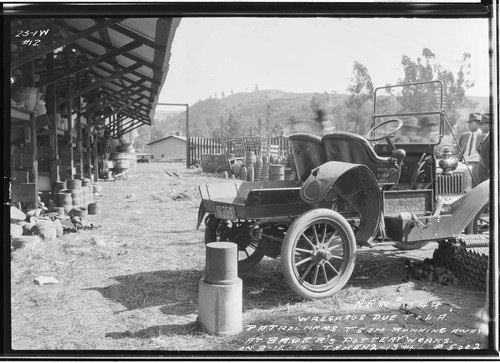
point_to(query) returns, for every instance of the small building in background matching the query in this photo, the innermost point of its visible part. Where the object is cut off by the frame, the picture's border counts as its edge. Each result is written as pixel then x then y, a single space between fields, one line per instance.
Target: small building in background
pixel 170 148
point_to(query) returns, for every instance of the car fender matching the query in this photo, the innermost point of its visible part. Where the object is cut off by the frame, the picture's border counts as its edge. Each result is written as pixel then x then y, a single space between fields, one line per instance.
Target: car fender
pixel 201 214
pixel 355 184
pixel 465 208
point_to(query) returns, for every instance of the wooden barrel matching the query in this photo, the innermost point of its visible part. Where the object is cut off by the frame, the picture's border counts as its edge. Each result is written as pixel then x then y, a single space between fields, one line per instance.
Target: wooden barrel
pixel 116 156
pixel 276 172
pixel 121 164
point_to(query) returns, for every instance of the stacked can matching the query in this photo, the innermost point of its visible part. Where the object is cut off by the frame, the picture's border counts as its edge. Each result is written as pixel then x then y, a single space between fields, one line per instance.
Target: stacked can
pixel 258 167
pixel 94 208
pixel 65 200
pixel 60 185
pixel 250 161
pixel 243 173
pixel 264 174
pixel 86 191
pixel 75 188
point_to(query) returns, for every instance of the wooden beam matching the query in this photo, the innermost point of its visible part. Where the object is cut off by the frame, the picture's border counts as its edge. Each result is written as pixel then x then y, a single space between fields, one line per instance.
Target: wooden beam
pixel 112 101
pixel 131 127
pixel 110 46
pixel 131 34
pixel 140 82
pixel 63 42
pixel 136 126
pixel 136 114
pixel 118 65
pixel 100 82
pixel 139 105
pixel 116 111
pixel 90 63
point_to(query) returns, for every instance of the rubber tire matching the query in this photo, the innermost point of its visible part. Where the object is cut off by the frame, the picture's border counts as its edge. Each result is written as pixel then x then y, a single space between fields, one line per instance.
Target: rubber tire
pixel 244 265
pixel 298 226
pixel 410 245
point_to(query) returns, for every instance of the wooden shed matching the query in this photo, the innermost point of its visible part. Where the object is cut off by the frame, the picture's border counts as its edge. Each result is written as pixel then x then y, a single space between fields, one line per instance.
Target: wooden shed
pixel 77 83
pixel 170 148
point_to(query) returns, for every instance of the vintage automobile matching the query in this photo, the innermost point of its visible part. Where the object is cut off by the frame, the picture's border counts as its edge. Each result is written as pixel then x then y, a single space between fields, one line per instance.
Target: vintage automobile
pixel 351 191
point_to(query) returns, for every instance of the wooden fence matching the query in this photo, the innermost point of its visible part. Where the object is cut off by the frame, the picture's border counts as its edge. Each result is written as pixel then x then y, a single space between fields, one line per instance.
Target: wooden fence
pixel 235 146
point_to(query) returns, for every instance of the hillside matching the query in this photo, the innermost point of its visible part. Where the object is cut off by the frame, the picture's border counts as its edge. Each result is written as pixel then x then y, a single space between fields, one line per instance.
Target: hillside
pixel 259 112
pixel 264 112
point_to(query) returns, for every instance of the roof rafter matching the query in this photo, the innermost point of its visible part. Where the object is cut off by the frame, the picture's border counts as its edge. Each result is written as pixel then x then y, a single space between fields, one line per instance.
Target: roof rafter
pixel 63 42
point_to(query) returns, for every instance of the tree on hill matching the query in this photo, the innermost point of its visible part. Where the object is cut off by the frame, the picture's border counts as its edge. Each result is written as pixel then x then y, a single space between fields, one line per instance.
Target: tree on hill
pixel 320 101
pixel 425 98
pixel 358 113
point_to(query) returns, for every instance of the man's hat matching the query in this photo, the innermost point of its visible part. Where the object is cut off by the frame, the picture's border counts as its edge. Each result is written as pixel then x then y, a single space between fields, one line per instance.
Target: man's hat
pixel 426 121
pixel 411 123
pixel 486 118
pixel 474 117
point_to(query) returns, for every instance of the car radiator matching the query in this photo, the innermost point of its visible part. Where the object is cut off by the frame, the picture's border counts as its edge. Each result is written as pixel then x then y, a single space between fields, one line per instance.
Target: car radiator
pixel 450 184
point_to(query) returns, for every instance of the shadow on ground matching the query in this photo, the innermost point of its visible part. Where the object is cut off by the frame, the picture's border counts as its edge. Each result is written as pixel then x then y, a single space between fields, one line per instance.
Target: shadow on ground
pixel 175 291
pixel 159 330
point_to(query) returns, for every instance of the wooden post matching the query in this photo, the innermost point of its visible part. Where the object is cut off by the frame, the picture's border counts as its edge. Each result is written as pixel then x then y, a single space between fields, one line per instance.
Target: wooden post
pixel 188 156
pixel 53 140
pixel 79 137
pixel 94 150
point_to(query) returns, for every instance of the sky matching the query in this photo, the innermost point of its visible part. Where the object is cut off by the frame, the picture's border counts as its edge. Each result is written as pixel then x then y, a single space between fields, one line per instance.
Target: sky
pixel 215 55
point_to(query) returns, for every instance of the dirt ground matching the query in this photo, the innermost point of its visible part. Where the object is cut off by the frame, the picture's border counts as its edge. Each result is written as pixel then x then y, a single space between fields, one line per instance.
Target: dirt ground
pixel 131 285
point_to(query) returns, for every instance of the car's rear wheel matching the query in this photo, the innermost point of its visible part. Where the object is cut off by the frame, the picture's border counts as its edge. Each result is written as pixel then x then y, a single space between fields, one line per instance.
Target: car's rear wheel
pixel 318 253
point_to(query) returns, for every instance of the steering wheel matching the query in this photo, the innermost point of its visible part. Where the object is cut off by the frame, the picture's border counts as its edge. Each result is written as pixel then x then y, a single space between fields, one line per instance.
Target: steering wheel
pixel 385 133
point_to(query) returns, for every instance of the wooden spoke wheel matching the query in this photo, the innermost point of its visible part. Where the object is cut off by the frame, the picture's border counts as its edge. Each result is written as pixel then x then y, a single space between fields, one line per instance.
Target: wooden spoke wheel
pixel 318 253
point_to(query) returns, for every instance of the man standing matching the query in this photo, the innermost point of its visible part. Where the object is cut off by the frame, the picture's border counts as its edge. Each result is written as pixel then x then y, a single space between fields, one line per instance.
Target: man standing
pixel 485 148
pixel 429 130
pixel 407 133
pixel 469 144
pixel 322 123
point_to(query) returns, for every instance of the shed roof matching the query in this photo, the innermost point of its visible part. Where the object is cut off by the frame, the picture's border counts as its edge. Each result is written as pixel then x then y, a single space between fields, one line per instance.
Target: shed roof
pixel 126 62
pixel 182 138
